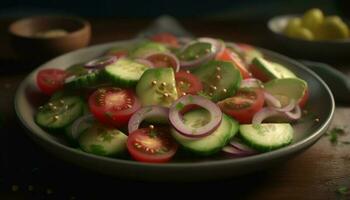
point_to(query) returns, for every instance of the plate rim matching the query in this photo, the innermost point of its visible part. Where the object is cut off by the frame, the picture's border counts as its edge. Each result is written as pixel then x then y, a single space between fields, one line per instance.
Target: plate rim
pixel 285 151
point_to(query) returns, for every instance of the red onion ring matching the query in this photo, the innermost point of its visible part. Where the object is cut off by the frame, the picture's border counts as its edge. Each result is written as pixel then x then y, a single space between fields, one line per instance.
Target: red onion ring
pixel 170 55
pixel 296 114
pixel 144 62
pixel 146 112
pixel 176 121
pixel 235 142
pixel 216 47
pixel 81 124
pixel 235 151
pixel 271 100
pixel 270 112
pixel 287 108
pixel 251 83
pixel 101 62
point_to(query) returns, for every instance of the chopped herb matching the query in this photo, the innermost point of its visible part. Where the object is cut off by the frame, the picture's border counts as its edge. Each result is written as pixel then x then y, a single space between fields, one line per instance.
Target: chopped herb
pixel 190 98
pixel 334 133
pixel 97 149
pixel 203 94
pixel 106 137
pixel 343 190
pixel 179 106
pixel 153 133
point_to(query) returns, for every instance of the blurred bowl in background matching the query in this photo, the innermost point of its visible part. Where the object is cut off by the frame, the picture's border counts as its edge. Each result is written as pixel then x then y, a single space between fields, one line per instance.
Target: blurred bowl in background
pixel 321 50
pixel 40 38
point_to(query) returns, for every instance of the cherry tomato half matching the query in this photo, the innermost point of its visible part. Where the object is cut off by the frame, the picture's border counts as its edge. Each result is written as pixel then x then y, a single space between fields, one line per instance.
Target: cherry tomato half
pixel 304 99
pixel 119 53
pixel 163 60
pixel 50 80
pixel 151 145
pixel 259 74
pixel 228 55
pixel 187 83
pixel 243 105
pixel 166 38
pixel 113 106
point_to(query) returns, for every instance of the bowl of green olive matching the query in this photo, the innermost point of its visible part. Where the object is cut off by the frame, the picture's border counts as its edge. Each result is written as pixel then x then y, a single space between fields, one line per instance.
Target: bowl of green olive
pixel 312 35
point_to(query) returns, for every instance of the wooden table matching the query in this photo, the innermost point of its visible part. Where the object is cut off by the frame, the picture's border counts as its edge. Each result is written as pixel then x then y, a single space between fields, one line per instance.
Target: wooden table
pixel 30 172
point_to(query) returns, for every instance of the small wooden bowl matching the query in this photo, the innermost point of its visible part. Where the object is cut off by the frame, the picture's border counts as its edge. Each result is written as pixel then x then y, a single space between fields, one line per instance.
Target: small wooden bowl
pixel 30 42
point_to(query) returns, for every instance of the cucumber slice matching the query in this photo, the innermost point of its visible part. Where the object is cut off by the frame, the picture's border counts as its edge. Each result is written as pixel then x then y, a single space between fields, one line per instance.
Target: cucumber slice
pixel 125 72
pixel 77 69
pixel 102 140
pixel 148 47
pixel 267 137
pixel 195 50
pixel 90 79
pixel 286 89
pixel 59 113
pixel 271 69
pixel 220 79
pixel 73 139
pixel 157 87
pixel 209 144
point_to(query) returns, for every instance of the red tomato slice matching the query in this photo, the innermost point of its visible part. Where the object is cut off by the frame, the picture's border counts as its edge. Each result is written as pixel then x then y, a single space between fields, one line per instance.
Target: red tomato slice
pixel 228 55
pixel 245 47
pixel 119 54
pixel 113 106
pixel 257 73
pixel 50 80
pixel 187 83
pixel 166 38
pixel 304 99
pixel 151 145
pixel 162 60
pixel 243 105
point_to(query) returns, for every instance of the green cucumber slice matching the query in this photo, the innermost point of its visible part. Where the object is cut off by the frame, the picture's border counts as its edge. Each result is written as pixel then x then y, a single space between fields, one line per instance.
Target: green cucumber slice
pixel 86 80
pixel 195 50
pixel 220 79
pixel 147 47
pixel 286 89
pixel 157 87
pixel 267 137
pixel 125 72
pixel 59 113
pixel 271 69
pixel 212 143
pixel 102 140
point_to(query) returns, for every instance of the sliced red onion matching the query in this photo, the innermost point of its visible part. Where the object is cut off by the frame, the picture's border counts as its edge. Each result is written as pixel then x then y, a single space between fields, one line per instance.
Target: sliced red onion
pixel 235 142
pixel 80 125
pixel 296 114
pixel 101 62
pixel 287 108
pixel 176 66
pixel 235 151
pixel 216 47
pixel 176 121
pixel 265 113
pixel 147 112
pixel 251 83
pixel 271 100
pixel 144 62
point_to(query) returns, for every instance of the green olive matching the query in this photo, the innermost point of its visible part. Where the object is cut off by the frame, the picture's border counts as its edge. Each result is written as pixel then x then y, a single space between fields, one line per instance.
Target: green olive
pixel 292 25
pixel 312 19
pixel 333 28
pixel 302 33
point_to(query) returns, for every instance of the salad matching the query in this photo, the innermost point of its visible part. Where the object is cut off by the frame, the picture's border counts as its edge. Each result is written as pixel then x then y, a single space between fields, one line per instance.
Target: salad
pixel 164 95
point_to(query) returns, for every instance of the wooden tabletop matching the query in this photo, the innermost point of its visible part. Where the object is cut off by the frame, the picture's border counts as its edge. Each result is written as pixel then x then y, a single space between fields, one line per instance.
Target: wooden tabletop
pixel 317 173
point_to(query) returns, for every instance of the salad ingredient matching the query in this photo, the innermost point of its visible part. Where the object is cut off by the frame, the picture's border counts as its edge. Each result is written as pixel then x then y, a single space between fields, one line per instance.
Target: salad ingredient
pixel 125 72
pixel 236 148
pixel 76 70
pixel 219 78
pixel 286 89
pixel 271 100
pixel 333 27
pixel 209 144
pixel 228 55
pixel 155 114
pixel 50 80
pixel 166 38
pixel 268 112
pixel 103 140
pixel 266 70
pixel 147 47
pixel 187 83
pixel 151 144
pixel 101 62
pixel 187 130
pixel 113 106
pixel 251 83
pixel 118 52
pixel 267 137
pixel 312 19
pixel 164 60
pixel 243 105
pixel 157 87
pixel 90 79
pixel 59 113
pixel 78 127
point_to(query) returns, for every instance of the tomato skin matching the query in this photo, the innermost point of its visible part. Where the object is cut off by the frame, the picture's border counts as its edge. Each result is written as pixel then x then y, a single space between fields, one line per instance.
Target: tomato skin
pixel 110 115
pixel 304 99
pixel 50 80
pixel 144 153
pixel 244 115
pixel 228 55
pixel 119 54
pixel 162 60
pixel 166 38
pixel 257 73
pixel 194 84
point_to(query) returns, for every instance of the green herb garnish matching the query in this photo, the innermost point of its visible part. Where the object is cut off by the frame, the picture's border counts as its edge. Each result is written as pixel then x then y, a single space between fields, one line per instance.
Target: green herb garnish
pixel 343 190
pixel 97 149
pixel 334 133
pixel 179 106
